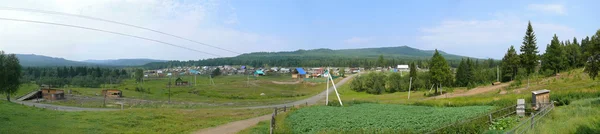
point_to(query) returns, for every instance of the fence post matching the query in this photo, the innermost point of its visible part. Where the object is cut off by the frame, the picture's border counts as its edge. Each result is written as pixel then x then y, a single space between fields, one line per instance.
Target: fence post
pixel 284 107
pixel 491 120
pixel 532 119
pixel 306 103
pixel 275 112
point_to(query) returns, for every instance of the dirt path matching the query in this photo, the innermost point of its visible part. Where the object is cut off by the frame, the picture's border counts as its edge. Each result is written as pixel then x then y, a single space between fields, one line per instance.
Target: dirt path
pixel 286 83
pixel 62 108
pixel 234 127
pixel 474 91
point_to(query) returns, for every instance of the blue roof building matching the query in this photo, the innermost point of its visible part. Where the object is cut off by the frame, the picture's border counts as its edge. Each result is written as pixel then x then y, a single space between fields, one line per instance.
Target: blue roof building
pixel 301 71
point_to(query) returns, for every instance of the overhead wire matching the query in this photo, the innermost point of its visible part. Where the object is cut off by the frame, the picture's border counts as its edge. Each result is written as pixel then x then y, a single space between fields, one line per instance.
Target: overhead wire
pixel 114 22
pixel 106 31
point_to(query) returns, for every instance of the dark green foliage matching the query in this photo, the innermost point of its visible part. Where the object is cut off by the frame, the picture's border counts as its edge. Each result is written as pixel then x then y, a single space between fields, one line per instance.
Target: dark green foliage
pixel 380 61
pixel 529 57
pixel 76 76
pixel 555 58
pixel 393 83
pixel 465 73
pixel 139 75
pixel 375 83
pixel 10 74
pixel 216 72
pixel 574 54
pixel 341 72
pixel 592 52
pixel 593 128
pixel 510 65
pixel 440 73
pixel 357 84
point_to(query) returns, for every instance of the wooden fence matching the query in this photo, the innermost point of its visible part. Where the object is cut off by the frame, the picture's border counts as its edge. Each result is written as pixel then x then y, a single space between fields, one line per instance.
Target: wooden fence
pixel 275 111
pixel 531 121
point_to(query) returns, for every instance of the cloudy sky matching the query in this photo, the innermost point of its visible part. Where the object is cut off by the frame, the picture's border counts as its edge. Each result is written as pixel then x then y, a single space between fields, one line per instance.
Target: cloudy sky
pixel 466 27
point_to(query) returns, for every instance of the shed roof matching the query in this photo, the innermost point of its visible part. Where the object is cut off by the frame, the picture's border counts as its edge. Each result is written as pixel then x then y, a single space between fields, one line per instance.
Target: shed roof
pixel 301 71
pixel 540 91
pixel 403 66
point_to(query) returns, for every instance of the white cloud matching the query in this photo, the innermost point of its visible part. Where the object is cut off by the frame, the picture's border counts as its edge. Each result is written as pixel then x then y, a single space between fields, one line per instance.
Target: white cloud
pixel 358 40
pixel 196 20
pixel 551 8
pixel 489 38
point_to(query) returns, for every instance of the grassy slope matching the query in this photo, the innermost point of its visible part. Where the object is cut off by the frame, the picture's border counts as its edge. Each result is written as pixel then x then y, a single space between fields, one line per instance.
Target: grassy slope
pixel 578 117
pixel 227 89
pixel 21 119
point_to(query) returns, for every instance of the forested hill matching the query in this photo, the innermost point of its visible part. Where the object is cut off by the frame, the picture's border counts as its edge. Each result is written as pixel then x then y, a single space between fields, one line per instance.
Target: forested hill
pixel 364 57
pixel 123 62
pixel 30 60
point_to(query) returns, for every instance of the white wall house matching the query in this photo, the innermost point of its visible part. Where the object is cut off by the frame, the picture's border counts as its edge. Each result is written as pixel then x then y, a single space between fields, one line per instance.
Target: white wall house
pixel 403 68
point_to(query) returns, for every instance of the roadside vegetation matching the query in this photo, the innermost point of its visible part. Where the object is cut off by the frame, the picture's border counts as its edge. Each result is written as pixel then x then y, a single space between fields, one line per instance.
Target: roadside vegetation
pixel 23 119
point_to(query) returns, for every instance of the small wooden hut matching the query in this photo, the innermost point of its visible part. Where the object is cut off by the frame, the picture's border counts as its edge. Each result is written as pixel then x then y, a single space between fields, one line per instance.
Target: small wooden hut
pixel 53 94
pixel 112 93
pixel 540 98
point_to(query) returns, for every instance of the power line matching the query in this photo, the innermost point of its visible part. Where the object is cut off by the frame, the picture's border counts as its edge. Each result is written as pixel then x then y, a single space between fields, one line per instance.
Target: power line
pixel 110 21
pixel 99 30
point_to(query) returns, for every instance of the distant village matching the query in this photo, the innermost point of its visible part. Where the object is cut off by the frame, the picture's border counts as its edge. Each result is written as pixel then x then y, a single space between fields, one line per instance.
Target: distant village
pixel 295 72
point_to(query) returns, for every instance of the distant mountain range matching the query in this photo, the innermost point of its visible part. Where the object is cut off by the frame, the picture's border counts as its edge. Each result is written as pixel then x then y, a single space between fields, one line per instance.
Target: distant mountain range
pixel 314 57
pixel 403 52
pixel 32 60
pixel 123 62
pixel 318 57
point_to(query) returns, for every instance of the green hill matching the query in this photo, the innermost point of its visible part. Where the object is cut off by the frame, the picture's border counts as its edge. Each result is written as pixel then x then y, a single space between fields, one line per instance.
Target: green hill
pixel 29 60
pixel 365 57
pixel 123 62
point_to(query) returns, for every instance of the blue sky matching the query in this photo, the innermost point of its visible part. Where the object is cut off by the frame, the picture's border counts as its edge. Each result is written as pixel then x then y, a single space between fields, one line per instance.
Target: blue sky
pixel 483 29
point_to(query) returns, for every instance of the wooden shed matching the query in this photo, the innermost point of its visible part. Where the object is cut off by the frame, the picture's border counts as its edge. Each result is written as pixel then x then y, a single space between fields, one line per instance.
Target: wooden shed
pixel 540 98
pixel 112 93
pixel 53 94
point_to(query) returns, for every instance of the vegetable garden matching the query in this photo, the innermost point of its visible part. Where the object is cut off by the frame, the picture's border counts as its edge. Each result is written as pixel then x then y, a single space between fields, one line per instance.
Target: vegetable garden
pixel 378 117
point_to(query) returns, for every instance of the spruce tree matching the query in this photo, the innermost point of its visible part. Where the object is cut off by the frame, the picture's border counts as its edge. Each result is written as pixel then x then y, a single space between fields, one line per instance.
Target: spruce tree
pixel 439 71
pixel 510 64
pixel 592 65
pixel 554 58
pixel 529 57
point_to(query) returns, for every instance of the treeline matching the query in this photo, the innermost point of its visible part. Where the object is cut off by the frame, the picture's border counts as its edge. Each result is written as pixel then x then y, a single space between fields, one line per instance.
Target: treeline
pixel 304 61
pixel 75 76
pixel 469 73
pixel 559 56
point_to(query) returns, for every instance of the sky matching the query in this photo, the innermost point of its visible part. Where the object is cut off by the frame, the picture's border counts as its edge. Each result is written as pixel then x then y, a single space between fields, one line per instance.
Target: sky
pixel 475 28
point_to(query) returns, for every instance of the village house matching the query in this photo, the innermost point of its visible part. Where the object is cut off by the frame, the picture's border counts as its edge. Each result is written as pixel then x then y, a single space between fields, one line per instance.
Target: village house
pixel 403 68
pixel 180 82
pixel 284 70
pixel 53 94
pixel 299 73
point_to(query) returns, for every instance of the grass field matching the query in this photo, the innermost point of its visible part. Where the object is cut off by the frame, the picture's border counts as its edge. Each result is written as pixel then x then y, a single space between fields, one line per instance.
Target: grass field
pixel 368 117
pixel 235 90
pixel 16 118
pixel 578 117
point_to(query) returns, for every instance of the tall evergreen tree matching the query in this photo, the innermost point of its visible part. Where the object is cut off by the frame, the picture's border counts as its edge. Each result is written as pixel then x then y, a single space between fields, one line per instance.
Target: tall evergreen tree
pixel 460 73
pixel 574 55
pixel 439 71
pixel 380 61
pixel 554 58
pixel 529 57
pixel 510 64
pixel 592 65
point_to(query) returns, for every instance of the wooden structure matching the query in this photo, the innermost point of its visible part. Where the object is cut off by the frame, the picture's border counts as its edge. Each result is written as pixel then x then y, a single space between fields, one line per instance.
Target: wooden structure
pixel 540 98
pixel 180 82
pixel 112 93
pixel 53 94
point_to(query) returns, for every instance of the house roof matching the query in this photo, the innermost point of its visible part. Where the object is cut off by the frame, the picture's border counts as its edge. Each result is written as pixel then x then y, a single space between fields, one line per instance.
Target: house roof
pixel 259 72
pixel 301 71
pixel 403 66
pixel 540 91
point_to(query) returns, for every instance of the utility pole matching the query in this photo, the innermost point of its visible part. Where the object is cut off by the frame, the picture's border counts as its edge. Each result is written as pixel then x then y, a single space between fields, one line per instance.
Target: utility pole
pixel 409 86
pixel 497 74
pixel 327 92
pixel 170 89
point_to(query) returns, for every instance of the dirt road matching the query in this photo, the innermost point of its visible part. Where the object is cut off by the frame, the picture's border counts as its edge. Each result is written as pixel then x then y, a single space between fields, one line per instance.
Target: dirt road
pixel 474 91
pixel 234 127
pixel 62 108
